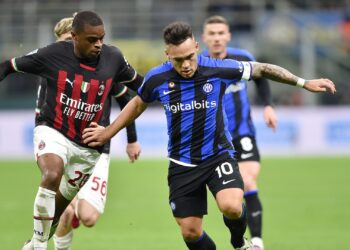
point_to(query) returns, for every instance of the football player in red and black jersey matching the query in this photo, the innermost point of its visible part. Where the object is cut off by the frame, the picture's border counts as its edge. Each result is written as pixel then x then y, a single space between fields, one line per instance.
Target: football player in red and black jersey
pixel 79 77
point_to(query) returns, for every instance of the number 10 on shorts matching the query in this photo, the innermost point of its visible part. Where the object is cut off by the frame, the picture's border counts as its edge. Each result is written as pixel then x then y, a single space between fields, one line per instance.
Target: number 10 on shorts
pixel 224 169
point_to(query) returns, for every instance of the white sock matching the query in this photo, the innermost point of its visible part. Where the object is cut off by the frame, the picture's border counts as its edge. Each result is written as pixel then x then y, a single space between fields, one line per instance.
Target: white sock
pixel 63 242
pixel 44 211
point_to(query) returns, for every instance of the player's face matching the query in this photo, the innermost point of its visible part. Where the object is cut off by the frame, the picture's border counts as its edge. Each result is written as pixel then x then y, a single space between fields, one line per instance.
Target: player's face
pixel 88 43
pixel 65 37
pixel 216 36
pixel 184 57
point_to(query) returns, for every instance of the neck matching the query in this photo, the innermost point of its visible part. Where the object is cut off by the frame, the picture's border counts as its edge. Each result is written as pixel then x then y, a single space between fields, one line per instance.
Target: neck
pixel 220 55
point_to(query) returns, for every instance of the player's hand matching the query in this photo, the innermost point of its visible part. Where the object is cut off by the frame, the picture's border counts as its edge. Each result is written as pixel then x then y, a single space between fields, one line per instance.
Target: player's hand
pixel 270 117
pixel 94 135
pixel 133 150
pixel 320 85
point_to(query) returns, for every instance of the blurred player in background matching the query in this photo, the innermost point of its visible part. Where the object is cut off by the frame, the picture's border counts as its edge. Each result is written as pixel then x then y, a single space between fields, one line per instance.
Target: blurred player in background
pixel 200 150
pixel 216 35
pixel 90 201
pixel 79 77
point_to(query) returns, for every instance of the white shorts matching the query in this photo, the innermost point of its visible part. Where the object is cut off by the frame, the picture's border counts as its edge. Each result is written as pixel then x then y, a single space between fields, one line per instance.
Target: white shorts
pixel 78 161
pixel 95 190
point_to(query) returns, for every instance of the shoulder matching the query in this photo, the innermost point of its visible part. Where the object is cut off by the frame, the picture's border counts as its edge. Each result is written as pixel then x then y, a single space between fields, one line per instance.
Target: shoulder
pixel 209 62
pixel 111 50
pixel 238 52
pixel 159 72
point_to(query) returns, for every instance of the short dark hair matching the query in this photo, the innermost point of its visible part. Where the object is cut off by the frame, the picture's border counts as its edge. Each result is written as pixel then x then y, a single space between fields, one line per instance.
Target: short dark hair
pixel 177 32
pixel 83 18
pixel 216 19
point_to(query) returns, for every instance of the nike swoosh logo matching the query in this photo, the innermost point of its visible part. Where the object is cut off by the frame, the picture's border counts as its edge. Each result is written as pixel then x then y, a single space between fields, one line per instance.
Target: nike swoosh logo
pixel 256 213
pixel 245 156
pixel 70 82
pixel 168 92
pixel 225 182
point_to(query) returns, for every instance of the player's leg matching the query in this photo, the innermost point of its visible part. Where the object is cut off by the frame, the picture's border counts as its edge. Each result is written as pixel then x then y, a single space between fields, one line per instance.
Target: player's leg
pixel 91 199
pixel 250 172
pixel 63 236
pixel 188 201
pixel 226 185
pixel 249 164
pixel 193 233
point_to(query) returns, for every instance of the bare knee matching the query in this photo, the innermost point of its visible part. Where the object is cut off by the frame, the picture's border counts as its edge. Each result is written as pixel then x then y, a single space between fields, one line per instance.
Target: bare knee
pixel 87 214
pixel 191 228
pixel 231 210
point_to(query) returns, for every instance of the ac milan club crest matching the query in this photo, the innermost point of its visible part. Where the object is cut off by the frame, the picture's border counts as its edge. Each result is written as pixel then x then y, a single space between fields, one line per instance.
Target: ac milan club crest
pixel 41 145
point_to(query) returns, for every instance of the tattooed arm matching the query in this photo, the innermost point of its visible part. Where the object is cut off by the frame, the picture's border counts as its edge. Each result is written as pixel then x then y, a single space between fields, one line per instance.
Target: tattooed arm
pixel 279 74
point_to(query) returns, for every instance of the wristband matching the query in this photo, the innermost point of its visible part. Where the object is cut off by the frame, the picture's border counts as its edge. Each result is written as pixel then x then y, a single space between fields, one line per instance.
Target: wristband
pixel 300 82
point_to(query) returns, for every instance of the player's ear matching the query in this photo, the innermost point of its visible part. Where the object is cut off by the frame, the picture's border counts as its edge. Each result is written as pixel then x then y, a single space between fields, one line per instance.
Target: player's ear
pixel 166 53
pixel 197 46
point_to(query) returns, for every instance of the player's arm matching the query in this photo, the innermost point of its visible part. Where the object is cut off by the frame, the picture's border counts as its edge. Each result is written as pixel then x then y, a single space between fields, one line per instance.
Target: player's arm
pixel 264 93
pixel 6 69
pixel 282 75
pixel 97 136
pixel 133 148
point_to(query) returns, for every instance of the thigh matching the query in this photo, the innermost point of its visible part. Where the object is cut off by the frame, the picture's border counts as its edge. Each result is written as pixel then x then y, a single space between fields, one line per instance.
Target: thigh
pixel 49 141
pixel 187 187
pixel 246 148
pixel 94 191
pixel 225 175
pixel 80 165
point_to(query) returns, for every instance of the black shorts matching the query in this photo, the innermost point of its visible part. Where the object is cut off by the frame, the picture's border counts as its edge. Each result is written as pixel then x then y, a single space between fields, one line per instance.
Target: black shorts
pixel 246 148
pixel 187 185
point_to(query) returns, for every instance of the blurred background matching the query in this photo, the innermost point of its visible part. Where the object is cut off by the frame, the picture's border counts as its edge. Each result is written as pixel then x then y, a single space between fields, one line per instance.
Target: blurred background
pixel 309 37
pixel 304 180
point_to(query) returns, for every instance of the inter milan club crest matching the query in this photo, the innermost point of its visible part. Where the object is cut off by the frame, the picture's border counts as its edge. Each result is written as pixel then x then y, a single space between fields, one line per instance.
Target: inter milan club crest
pixel 41 145
pixel 101 89
pixel 171 85
pixel 208 87
pixel 85 86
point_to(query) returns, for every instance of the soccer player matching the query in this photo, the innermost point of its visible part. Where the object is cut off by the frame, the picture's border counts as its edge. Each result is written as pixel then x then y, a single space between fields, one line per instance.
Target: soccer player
pixel 90 201
pixel 216 35
pixel 79 75
pixel 191 90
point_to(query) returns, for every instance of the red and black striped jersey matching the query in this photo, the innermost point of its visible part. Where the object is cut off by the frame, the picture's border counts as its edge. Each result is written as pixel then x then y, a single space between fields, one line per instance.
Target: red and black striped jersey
pixel 76 91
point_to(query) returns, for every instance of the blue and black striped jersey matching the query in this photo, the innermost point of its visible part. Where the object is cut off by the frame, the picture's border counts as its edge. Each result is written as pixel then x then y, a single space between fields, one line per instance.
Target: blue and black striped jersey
pixel 236 100
pixel 197 126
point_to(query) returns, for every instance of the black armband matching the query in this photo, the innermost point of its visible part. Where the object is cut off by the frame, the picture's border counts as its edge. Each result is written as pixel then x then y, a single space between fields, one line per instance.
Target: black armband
pixel 5 69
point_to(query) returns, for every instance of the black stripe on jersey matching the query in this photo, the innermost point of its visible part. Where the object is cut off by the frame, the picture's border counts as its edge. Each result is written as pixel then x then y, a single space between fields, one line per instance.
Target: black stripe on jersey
pixel 238 111
pixel 175 137
pixel 199 119
pixel 238 57
pixel 219 120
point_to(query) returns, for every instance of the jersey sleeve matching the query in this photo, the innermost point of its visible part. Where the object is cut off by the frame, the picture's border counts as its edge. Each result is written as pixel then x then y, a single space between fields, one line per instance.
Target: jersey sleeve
pixel 127 75
pixel 146 91
pixel 33 62
pixel 234 70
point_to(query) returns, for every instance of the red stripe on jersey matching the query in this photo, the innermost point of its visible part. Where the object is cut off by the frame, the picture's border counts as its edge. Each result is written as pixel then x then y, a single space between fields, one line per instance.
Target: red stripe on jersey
pixel 103 99
pixel 94 86
pixel 61 85
pixel 87 67
pixel 78 79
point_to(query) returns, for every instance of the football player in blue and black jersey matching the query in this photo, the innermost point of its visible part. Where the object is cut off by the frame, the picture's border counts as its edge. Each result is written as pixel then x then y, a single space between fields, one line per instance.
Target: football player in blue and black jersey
pixel 216 35
pixel 191 88
pixel 79 77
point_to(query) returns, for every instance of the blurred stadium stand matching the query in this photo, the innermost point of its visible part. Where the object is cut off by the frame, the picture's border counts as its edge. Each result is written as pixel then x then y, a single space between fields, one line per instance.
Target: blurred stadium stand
pixel 310 37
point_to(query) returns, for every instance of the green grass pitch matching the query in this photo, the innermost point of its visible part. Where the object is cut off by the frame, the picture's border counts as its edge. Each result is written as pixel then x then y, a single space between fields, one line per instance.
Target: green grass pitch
pixel 306 206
